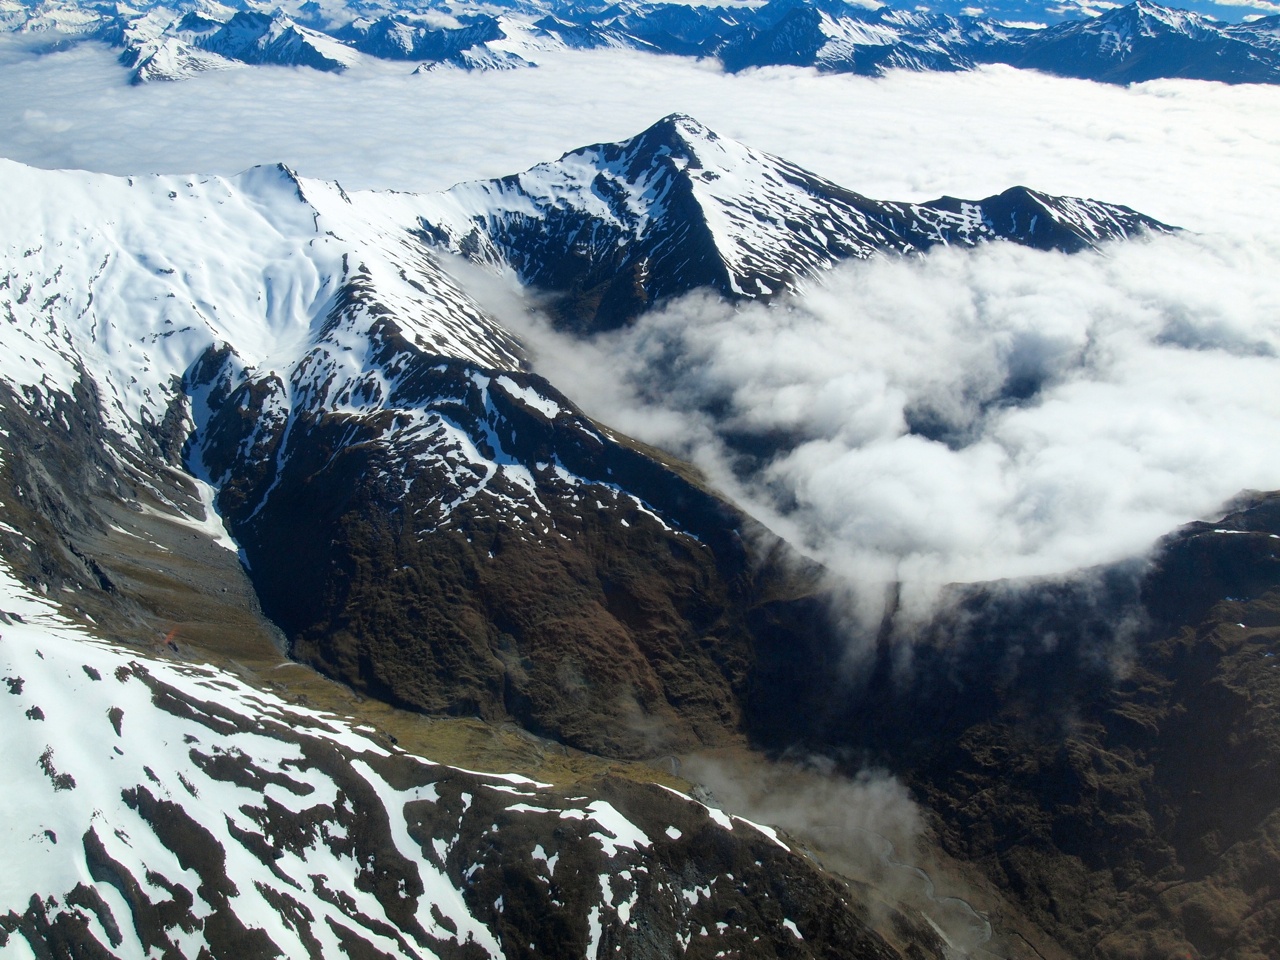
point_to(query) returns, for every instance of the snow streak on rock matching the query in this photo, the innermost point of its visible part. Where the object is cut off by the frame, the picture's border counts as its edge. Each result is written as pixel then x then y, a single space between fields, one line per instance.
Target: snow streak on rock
pixel 153 806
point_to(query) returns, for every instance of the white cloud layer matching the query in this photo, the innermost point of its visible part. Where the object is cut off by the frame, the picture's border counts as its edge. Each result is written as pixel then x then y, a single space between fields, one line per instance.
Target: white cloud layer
pixel 1153 390
pixel 969 415
pixel 1198 154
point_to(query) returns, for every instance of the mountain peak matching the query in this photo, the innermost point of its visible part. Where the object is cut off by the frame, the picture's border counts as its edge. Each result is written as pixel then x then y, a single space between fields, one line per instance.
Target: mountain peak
pixel 677 134
pixel 1151 19
pixel 685 124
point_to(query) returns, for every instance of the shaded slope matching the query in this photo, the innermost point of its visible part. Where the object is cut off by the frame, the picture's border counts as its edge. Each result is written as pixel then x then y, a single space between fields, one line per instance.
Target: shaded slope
pixel 1105 748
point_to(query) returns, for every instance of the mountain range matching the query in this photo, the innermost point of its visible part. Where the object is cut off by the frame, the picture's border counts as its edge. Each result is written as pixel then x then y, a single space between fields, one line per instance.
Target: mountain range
pixel 256 416
pixel 1133 43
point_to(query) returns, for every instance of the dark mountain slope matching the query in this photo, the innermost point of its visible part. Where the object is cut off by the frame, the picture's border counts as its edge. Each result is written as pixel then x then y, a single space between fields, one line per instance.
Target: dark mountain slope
pixel 583 589
pixel 1107 750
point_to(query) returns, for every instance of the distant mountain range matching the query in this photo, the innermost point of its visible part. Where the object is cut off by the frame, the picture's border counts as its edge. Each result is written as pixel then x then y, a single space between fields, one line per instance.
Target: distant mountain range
pixel 1133 43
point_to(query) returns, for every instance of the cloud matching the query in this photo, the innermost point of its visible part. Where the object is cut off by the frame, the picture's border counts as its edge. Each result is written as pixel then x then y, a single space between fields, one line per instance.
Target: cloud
pixel 808 798
pixel 1265 5
pixel 1197 154
pixel 866 827
pixel 969 415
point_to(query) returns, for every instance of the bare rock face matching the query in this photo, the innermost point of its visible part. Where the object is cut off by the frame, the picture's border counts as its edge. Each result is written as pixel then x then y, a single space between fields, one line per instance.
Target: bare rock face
pixel 494 554
pixel 1104 747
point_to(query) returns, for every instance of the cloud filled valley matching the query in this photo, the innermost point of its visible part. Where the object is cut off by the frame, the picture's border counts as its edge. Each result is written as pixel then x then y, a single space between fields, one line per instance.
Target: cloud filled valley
pixel 965 416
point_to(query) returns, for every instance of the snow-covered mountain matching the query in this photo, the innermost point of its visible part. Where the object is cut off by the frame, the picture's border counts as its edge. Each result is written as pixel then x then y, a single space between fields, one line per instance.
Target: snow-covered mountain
pixel 424 519
pixel 616 227
pixel 269 364
pixel 196 43
pixel 319 370
pixel 296 285
pixel 1138 42
pixel 1145 41
pixel 477 42
pixel 155 807
pixel 845 38
pixel 1261 32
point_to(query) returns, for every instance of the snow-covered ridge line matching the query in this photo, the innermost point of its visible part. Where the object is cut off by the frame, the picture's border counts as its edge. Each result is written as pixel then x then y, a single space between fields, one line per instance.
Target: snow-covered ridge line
pixel 616 227
pixel 134 278
pixel 169 295
pixel 297 301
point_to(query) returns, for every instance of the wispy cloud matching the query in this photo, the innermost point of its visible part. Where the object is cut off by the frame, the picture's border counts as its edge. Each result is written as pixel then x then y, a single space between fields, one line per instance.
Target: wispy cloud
pixel 970 415
pixel 865 827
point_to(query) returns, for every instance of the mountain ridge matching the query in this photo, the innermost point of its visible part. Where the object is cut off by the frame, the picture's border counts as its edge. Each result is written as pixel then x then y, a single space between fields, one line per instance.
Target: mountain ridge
pixel 435 525
pixel 1138 42
pixel 613 228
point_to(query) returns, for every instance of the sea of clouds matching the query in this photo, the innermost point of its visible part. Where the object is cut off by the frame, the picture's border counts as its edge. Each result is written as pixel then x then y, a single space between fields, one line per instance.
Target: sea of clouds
pixel 963 416
pixel 1199 155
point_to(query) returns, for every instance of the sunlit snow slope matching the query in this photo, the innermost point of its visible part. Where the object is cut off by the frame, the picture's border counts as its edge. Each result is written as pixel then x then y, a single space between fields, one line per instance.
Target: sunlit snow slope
pixel 133 279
